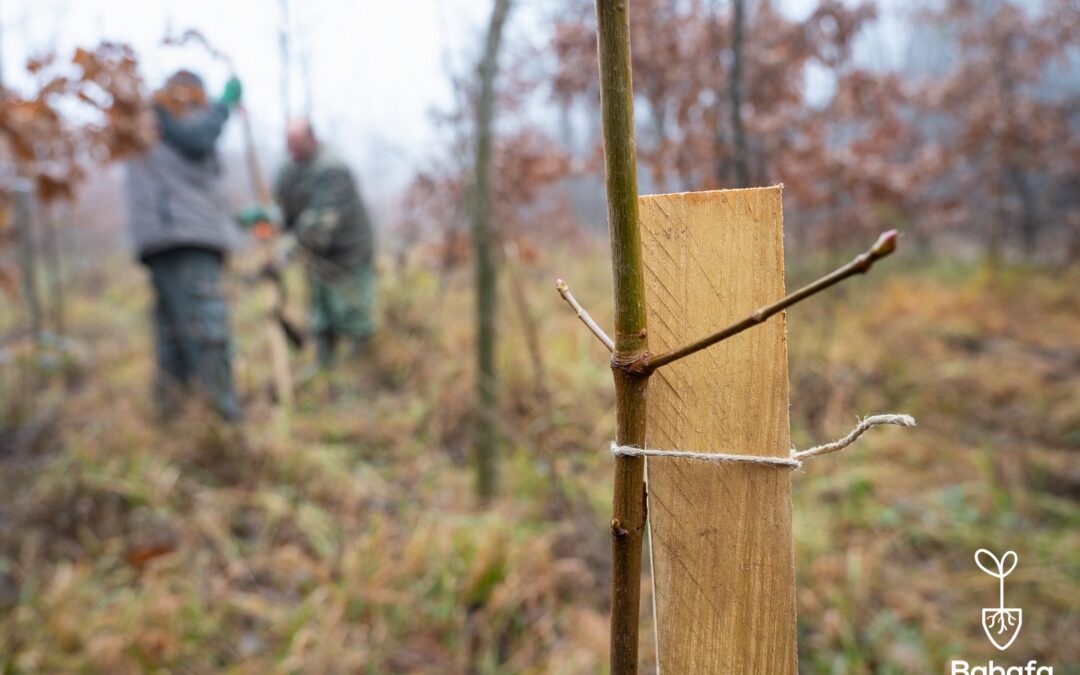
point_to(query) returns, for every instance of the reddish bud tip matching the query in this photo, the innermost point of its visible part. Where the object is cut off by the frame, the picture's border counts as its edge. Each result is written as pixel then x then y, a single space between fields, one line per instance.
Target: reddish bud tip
pixel 885 244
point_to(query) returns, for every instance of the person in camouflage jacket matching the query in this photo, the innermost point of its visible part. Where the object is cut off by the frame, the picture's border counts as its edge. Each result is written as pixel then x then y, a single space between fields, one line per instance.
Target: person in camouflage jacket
pixel 322 208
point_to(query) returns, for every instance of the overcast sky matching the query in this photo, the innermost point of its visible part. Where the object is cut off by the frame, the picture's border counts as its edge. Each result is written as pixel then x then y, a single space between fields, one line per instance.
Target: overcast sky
pixel 376 68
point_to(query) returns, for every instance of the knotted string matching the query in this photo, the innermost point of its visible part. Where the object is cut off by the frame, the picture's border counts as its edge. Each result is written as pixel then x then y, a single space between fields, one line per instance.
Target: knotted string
pixel 792 461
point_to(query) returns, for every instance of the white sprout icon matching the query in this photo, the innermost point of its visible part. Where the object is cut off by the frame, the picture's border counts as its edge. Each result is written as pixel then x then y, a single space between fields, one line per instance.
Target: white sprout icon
pixel 999 622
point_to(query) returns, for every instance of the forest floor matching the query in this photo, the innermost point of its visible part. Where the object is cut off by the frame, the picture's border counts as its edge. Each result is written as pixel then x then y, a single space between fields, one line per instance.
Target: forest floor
pixel 348 538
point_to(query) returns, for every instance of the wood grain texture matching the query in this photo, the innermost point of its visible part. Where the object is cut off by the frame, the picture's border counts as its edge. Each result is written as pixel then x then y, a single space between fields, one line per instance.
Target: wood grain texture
pixel 723 565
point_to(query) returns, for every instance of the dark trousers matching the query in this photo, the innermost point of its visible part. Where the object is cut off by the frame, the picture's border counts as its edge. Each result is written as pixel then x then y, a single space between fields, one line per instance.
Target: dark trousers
pixel 192 330
pixel 342 308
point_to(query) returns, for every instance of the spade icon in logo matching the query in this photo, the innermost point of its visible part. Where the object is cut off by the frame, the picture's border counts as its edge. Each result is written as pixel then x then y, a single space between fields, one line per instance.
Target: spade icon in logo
pixel 1001 623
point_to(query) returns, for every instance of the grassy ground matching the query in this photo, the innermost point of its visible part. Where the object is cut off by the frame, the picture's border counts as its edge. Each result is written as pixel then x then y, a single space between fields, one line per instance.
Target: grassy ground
pixel 350 541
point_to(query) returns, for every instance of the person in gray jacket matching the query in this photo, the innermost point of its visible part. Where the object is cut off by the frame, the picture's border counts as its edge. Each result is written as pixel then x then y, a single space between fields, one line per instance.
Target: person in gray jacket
pixel 182 230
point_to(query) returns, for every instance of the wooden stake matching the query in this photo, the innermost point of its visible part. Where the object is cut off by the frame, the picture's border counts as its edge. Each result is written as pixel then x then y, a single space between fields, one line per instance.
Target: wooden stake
pixel 723 566
pixel 278 343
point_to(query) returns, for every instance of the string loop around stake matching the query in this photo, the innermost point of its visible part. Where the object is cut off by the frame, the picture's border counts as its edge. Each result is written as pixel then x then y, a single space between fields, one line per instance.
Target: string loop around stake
pixel 792 461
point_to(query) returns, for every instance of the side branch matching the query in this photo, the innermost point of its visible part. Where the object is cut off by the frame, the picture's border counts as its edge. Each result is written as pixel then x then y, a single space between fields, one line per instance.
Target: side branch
pixel 586 319
pixel 885 245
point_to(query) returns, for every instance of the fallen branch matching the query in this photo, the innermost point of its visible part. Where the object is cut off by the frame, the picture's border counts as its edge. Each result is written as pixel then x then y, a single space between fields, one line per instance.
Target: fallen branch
pixel 862 263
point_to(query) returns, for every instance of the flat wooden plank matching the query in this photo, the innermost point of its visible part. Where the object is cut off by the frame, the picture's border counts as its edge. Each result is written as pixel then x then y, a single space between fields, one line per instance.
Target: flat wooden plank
pixel 723 565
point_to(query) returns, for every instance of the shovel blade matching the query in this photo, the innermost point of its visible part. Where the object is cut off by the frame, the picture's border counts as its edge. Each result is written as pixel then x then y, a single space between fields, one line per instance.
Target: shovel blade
pixel 1002 625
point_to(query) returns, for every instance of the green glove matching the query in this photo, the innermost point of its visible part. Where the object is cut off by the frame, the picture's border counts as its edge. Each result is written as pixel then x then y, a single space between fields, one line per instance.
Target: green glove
pixel 231 96
pixel 252 215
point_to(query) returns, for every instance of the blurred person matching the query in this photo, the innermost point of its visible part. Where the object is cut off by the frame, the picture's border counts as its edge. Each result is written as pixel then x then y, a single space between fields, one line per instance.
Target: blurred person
pixel 183 231
pixel 322 211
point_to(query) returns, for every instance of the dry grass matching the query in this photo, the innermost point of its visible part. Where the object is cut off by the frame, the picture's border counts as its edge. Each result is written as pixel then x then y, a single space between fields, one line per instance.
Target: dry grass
pixel 353 544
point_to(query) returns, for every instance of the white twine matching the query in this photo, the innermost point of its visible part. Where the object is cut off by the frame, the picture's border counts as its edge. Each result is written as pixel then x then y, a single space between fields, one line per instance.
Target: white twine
pixel 794 460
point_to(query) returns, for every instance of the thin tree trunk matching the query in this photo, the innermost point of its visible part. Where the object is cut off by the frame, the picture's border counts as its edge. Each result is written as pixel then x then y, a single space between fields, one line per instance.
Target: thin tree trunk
pixel 995 245
pixel 28 261
pixel 563 500
pixel 658 117
pixel 55 272
pixel 486 280
pixel 529 325
pixel 631 337
pixel 1029 221
pixel 721 162
pixel 742 158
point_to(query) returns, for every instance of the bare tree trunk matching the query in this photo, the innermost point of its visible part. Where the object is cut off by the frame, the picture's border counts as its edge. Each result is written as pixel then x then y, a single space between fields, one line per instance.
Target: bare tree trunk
pixel 658 117
pixel 1029 220
pixel 721 162
pixel 486 281
pixel 530 327
pixel 28 260
pixel 1073 249
pixel 54 271
pixel 742 155
pixel 995 243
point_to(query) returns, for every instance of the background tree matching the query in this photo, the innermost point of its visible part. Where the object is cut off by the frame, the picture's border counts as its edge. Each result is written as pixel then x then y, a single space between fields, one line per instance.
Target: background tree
pixel 717 114
pixel 741 160
pixel 85 111
pixel 486 283
pixel 982 145
pixel 1004 119
pixel 88 110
